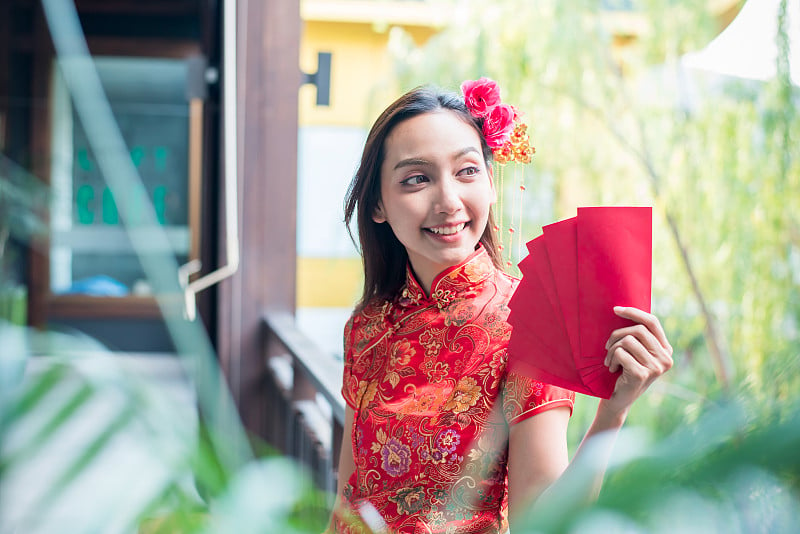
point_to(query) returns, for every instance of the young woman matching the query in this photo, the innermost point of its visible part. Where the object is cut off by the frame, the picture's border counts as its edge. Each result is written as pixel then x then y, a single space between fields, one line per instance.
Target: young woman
pixel 439 436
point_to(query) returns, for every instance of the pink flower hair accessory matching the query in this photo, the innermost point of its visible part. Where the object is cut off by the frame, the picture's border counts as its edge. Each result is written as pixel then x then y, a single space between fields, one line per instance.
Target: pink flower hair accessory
pixel 498 125
pixel 480 96
pixel 503 129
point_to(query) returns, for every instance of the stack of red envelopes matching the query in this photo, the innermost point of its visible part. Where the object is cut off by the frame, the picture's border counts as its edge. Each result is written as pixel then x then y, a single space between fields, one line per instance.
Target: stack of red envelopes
pixel 575 273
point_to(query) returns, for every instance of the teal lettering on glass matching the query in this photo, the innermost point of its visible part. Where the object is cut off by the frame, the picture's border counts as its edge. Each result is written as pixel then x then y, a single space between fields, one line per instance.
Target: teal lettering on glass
pixel 160 202
pixel 83 160
pixel 83 198
pixel 137 155
pixel 110 213
pixel 161 153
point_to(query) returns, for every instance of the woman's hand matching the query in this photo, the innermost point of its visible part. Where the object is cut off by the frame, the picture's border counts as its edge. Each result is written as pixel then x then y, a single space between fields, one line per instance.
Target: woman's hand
pixel 643 353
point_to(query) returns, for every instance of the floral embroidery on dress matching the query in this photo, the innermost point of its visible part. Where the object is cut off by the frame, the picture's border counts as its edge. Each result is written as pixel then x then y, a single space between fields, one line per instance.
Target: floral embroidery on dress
pixel 497 365
pixel 399 356
pixel 409 297
pixel 427 380
pixel 464 396
pixel 426 402
pixel 477 271
pixel 448 440
pixel 459 312
pixel 409 500
pixel 396 457
pixel 366 392
pixel 438 372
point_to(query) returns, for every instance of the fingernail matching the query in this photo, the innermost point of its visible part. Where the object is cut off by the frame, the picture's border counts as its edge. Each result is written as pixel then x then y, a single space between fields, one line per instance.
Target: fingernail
pixel 618 309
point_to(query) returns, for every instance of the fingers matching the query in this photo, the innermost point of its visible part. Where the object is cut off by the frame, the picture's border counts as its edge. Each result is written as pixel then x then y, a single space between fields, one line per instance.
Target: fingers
pixel 641 351
pixel 648 320
pixel 630 349
pixel 644 343
pixel 639 331
pixel 622 359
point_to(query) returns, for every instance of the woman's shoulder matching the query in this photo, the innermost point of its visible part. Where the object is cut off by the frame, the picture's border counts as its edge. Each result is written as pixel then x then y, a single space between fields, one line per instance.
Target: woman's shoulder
pixel 368 321
pixel 375 309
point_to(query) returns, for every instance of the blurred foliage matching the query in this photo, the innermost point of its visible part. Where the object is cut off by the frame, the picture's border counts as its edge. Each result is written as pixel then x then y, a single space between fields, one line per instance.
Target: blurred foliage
pixel 78 419
pixel 733 470
pixel 23 201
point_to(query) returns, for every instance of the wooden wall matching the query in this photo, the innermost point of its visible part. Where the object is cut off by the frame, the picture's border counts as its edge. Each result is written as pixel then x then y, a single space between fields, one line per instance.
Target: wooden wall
pixel 268 83
pixel 269 78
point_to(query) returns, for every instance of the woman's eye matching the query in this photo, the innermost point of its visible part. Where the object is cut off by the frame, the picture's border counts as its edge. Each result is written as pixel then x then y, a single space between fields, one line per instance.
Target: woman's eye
pixel 414 180
pixel 469 171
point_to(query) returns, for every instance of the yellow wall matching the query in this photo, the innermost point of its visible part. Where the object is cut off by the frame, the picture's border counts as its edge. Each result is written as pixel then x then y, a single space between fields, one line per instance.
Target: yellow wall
pixel 360 71
pixel 328 282
pixel 356 32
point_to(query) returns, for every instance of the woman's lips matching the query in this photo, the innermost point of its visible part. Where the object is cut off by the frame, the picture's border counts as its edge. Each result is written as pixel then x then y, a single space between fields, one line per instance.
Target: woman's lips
pixel 447 230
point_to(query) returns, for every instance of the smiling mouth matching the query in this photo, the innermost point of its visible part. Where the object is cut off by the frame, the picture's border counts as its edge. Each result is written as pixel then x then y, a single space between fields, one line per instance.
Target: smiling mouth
pixel 447 230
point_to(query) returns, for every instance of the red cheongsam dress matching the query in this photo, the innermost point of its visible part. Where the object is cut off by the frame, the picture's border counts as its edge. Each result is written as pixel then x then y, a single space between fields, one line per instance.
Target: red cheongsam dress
pixel 426 378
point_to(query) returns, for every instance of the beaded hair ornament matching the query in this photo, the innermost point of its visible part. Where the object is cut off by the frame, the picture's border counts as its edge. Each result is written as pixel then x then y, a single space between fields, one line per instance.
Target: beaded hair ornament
pixel 507 136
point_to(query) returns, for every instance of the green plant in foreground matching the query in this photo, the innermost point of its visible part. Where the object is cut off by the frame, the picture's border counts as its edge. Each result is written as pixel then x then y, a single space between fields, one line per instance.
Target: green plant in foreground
pixel 731 471
pixel 77 421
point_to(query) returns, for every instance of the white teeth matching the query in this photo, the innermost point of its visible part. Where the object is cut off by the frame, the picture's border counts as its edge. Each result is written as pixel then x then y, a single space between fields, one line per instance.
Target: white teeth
pixel 449 230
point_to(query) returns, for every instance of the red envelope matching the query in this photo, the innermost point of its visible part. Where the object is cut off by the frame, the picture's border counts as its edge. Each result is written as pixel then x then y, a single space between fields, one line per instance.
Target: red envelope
pixel 525 350
pixel 536 322
pixel 614 249
pixel 540 261
pixel 561 239
pixel 562 311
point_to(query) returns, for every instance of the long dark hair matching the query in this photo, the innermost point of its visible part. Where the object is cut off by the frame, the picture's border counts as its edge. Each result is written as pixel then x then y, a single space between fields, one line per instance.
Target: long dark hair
pixel 382 254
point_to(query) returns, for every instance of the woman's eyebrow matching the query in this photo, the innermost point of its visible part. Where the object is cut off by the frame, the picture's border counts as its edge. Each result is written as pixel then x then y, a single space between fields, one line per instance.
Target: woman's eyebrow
pixel 411 162
pixel 466 150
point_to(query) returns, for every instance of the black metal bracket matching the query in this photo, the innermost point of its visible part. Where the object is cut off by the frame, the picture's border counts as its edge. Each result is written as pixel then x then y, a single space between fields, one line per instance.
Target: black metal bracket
pixel 321 79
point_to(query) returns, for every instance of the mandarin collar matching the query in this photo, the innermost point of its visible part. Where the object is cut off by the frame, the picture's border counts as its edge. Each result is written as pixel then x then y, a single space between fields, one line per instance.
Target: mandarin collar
pixel 458 281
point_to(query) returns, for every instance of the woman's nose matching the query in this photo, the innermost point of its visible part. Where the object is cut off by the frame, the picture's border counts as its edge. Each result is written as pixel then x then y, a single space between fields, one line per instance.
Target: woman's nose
pixel 448 199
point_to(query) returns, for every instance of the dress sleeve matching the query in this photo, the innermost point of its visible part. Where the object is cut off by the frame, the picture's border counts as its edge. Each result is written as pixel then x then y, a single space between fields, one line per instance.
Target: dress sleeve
pixel 524 397
pixel 349 379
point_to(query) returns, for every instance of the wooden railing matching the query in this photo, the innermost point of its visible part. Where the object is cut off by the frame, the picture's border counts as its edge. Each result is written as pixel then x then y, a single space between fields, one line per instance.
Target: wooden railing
pixel 306 409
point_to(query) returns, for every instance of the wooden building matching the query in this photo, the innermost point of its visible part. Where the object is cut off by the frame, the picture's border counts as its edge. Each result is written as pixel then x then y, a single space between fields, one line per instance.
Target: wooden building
pixel 161 65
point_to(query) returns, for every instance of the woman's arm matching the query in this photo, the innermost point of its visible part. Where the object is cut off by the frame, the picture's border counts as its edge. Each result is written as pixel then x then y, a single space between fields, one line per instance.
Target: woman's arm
pixel 538 459
pixel 537 456
pixel 537 453
pixel 346 463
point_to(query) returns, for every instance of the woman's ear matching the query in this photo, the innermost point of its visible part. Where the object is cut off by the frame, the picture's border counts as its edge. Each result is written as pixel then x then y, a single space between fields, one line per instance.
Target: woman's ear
pixel 377 213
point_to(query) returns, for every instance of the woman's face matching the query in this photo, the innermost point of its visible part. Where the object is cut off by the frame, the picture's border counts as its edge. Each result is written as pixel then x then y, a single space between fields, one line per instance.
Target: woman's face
pixel 436 190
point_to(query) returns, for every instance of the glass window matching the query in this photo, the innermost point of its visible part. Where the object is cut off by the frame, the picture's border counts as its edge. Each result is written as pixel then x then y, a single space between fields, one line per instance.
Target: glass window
pixel 90 252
